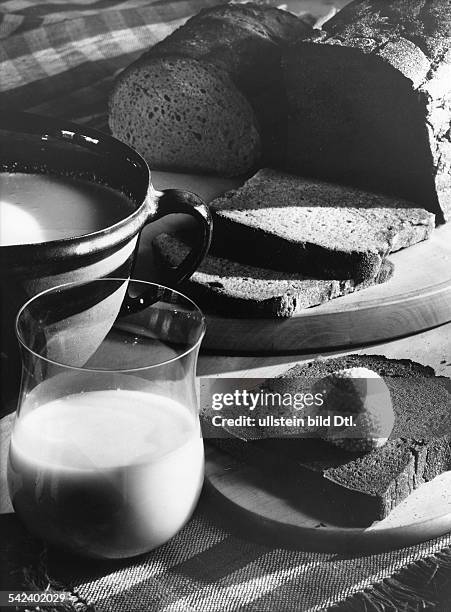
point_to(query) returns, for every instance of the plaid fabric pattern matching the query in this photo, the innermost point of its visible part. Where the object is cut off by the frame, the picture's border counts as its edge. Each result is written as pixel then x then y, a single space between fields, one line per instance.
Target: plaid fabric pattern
pixel 58 58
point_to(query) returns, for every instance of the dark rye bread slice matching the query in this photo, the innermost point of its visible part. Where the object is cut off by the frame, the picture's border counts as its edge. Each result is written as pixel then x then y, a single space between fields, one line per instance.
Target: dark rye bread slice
pixel 237 44
pixel 185 115
pixel 370 100
pixel 285 222
pixel 233 289
pixel 362 488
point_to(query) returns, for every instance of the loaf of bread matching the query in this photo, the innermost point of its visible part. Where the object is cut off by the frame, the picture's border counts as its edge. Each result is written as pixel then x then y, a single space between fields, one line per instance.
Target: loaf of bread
pixel 365 101
pixel 210 97
pixel 370 100
pixel 285 222
pixel 361 488
pixel 238 290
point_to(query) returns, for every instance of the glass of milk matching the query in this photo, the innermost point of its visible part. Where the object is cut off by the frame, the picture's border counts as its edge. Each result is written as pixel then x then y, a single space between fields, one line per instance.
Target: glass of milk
pixel 106 456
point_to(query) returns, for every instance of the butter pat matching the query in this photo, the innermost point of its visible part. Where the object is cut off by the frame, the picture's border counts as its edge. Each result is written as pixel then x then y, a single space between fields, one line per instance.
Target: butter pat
pixel 359 405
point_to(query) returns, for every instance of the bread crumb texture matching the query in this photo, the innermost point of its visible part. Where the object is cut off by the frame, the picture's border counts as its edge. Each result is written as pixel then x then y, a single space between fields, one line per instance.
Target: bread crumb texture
pixel 181 114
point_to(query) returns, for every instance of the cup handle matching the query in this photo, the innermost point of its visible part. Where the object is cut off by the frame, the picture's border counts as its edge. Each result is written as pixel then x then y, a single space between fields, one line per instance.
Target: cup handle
pixel 177 201
pixel 166 202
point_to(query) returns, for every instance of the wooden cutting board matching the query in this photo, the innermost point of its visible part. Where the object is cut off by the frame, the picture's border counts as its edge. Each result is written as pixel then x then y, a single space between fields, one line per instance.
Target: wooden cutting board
pixel 277 511
pixel 418 297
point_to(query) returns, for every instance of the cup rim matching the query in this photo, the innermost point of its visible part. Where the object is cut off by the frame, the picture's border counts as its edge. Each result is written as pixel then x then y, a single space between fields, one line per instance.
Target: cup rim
pixel 92 242
pixel 195 346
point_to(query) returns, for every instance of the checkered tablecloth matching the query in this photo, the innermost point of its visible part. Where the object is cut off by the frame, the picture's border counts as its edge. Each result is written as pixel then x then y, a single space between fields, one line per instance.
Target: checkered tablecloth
pixel 58 58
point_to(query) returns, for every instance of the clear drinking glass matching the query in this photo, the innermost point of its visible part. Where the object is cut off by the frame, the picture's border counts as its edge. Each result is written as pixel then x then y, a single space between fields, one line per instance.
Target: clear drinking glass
pixel 106 456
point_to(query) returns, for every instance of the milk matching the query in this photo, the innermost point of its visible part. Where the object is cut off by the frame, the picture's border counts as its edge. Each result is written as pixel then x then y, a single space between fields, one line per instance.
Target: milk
pixel 107 473
pixel 40 207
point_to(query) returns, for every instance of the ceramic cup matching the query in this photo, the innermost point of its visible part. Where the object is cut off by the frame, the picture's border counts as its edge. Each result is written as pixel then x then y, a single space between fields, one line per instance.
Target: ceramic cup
pixel 33 144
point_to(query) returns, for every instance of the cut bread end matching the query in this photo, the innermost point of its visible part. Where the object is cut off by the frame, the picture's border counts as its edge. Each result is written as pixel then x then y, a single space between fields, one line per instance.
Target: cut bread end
pixel 184 114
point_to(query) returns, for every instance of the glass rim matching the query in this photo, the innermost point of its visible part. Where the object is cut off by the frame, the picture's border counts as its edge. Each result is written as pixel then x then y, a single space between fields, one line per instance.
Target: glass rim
pixel 192 348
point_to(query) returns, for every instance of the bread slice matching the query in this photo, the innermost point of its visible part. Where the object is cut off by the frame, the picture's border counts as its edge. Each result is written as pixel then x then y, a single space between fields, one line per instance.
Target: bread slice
pixel 370 100
pixel 182 114
pixel 362 488
pixel 285 222
pixel 224 286
pixel 206 97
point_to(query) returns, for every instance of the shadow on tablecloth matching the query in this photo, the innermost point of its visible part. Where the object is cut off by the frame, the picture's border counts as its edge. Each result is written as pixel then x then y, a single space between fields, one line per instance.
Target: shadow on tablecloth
pixel 206 568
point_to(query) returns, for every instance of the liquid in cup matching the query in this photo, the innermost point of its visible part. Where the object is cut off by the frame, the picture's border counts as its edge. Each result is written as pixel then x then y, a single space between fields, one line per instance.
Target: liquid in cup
pixel 111 473
pixel 39 207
